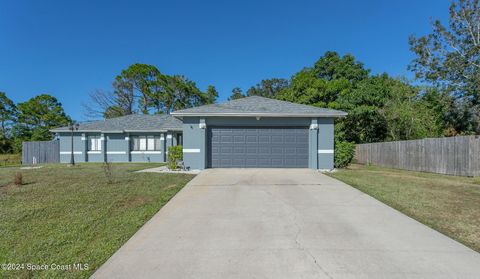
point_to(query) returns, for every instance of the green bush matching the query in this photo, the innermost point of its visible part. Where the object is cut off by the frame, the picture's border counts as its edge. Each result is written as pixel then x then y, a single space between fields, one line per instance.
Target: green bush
pixel 175 154
pixel 344 152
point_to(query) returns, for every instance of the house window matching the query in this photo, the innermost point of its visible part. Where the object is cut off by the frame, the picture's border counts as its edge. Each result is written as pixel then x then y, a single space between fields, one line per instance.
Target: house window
pixel 179 139
pixel 94 143
pixel 145 143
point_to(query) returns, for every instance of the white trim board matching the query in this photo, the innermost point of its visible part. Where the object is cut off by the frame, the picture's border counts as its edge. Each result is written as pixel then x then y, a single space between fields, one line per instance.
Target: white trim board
pixel 145 152
pixel 116 152
pixel 191 150
pixel 325 151
pixel 94 152
pixel 70 152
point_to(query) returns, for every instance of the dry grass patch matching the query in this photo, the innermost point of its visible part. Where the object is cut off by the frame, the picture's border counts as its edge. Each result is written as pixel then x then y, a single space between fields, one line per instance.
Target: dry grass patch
pixel 9 160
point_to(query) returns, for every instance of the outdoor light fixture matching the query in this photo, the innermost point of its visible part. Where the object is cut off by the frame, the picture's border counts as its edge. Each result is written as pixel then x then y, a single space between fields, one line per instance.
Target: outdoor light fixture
pixel 73 127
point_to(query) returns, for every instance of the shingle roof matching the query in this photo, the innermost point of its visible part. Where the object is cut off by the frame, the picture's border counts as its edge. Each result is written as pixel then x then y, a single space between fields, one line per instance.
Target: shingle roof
pixel 259 106
pixel 130 123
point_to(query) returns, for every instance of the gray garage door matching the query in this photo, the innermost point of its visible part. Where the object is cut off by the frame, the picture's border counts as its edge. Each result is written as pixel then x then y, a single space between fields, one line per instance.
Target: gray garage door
pixel 258 147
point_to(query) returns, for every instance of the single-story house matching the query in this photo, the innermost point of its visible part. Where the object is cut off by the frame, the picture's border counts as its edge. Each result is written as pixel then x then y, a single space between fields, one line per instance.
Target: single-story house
pixel 252 132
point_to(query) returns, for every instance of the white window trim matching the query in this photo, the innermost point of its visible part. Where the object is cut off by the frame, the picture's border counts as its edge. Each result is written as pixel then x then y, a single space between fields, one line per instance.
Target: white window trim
pixel 116 152
pixel 149 138
pixel 97 142
pixel 191 150
pixel 145 152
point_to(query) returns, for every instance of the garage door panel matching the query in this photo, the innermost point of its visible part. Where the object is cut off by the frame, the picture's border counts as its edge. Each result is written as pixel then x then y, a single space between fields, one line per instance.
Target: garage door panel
pixel 239 150
pixel 264 161
pixel 239 139
pixel 301 151
pixel 251 139
pixel 278 150
pixel 277 139
pixel 264 150
pixel 301 138
pixel 290 151
pixel 226 150
pixel 226 139
pixel 238 162
pixel 264 139
pixel 258 147
pixel 289 138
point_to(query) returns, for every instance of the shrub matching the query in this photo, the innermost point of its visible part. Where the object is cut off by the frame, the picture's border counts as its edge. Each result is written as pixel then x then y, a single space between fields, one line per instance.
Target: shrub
pixel 175 154
pixel 18 179
pixel 344 152
pixel 108 171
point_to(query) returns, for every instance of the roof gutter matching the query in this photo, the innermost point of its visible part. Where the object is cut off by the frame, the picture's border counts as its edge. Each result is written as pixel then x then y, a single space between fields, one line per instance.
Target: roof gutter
pixel 117 132
pixel 236 114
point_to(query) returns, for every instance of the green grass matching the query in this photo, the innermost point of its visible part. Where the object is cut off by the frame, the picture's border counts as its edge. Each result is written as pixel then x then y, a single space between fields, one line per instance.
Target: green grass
pixel 448 204
pixel 67 215
pixel 9 160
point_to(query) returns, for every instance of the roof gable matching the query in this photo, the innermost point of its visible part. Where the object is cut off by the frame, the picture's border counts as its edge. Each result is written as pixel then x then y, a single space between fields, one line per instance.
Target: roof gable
pixel 256 105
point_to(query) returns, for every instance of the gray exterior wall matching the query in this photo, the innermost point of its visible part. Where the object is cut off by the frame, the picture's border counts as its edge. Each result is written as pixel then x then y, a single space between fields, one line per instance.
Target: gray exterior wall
pixel 194 143
pixel 320 137
pixel 325 143
pixel 115 147
pixel 65 148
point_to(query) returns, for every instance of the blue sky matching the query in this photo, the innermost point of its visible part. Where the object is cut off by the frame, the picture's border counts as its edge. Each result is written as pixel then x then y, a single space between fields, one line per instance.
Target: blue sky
pixel 71 48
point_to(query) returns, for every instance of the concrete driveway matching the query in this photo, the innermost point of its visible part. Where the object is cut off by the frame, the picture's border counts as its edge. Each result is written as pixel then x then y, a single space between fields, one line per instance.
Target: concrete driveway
pixel 284 223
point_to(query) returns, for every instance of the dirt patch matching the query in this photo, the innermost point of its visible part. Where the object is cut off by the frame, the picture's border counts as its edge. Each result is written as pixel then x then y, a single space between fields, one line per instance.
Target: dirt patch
pixel 136 201
pixel 7 188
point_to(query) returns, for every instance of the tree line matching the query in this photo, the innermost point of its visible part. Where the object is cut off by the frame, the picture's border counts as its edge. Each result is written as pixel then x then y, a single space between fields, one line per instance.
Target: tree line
pixel 379 107
pixel 142 88
pixel 443 100
pixel 385 108
pixel 28 121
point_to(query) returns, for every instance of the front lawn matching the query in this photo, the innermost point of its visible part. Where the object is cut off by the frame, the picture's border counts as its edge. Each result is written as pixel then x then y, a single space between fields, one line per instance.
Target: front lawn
pixel 448 204
pixel 76 215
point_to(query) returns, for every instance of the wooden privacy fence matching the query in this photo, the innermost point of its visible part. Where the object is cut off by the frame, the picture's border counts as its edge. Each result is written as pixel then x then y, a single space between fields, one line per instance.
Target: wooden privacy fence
pixel 454 156
pixel 40 152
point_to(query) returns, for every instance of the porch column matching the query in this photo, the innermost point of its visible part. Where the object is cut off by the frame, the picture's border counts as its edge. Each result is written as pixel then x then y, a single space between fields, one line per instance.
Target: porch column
pixel 84 147
pixel 162 147
pixel 103 142
pixel 169 142
pixel 128 147
pixel 313 144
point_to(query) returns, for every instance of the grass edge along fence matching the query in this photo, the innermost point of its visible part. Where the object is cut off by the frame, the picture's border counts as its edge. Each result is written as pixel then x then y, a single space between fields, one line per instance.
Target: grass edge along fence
pixel 453 156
